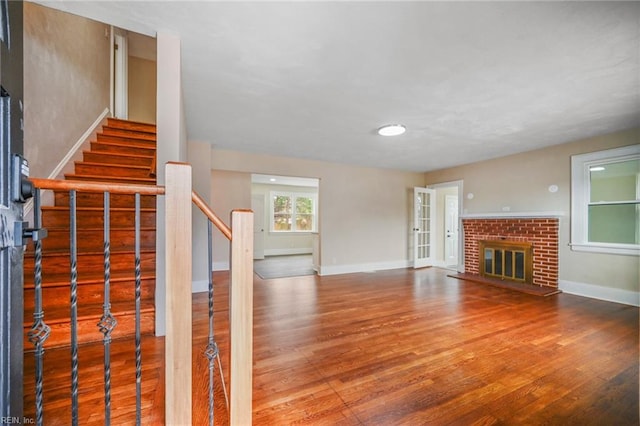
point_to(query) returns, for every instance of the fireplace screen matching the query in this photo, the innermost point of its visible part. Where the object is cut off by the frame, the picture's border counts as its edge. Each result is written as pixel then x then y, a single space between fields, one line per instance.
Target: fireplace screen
pixel 508 260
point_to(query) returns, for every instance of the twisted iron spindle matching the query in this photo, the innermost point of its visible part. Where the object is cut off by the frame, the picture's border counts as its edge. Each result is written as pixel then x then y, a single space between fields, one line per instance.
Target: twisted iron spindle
pixel 138 275
pixel 212 348
pixel 40 331
pixel 74 306
pixel 108 322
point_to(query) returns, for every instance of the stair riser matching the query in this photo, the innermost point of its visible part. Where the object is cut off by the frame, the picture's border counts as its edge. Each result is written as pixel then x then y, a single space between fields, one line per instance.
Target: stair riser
pixel 95 219
pixel 89 263
pixel 88 294
pixel 123 149
pixel 130 160
pixel 127 133
pixel 89 199
pixel 113 179
pixel 112 170
pixel 130 125
pixel 125 140
pixel 89 332
pixel 92 240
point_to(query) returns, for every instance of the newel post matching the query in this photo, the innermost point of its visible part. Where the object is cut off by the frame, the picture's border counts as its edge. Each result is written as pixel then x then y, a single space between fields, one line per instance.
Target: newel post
pixel 178 294
pixel 241 318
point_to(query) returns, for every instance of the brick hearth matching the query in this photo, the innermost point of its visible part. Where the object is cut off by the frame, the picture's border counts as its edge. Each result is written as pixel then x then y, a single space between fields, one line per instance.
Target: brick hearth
pixel 541 232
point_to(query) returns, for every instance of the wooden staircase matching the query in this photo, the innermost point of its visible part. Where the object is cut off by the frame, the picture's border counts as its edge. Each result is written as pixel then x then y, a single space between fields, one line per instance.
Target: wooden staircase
pixel 123 152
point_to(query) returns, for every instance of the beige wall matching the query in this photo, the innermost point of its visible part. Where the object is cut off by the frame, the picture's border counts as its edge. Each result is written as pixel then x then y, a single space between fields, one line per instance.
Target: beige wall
pixel 364 212
pixel 142 90
pixel 229 190
pixel 520 183
pixel 199 156
pixel 66 82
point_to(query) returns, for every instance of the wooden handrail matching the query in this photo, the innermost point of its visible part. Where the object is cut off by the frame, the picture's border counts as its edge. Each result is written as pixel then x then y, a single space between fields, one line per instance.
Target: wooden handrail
pixel 199 201
pixel 78 185
pixel 152 169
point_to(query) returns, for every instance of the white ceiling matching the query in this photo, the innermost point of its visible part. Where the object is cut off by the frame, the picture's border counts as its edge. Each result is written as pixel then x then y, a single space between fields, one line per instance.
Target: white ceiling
pixel 284 180
pixel 470 80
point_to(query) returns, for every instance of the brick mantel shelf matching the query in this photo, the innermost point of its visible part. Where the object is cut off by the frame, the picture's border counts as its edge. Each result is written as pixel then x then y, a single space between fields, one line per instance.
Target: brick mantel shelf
pixel 509 215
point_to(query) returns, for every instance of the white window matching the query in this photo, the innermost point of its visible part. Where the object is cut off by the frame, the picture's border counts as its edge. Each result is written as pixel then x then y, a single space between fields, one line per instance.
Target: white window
pixel 605 201
pixel 293 212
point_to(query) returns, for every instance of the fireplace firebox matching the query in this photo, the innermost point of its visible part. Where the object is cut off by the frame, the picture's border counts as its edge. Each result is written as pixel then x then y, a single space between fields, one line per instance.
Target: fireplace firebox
pixel 506 260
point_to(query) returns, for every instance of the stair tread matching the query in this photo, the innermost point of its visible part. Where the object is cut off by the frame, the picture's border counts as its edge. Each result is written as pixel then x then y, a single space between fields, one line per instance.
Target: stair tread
pixel 73 176
pixel 124 166
pixel 141 143
pixel 128 134
pixel 118 154
pixel 131 127
pixel 120 120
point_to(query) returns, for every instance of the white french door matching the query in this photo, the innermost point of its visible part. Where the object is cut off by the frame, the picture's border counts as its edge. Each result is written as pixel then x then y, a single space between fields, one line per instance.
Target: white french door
pixel 451 230
pixel 424 227
pixel 257 205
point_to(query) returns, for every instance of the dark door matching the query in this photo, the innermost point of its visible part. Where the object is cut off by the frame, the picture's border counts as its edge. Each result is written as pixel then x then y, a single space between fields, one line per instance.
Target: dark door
pixel 11 249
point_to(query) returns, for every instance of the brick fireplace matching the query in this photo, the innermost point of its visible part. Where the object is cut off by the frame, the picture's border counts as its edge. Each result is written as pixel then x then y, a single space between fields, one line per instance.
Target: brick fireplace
pixel 540 232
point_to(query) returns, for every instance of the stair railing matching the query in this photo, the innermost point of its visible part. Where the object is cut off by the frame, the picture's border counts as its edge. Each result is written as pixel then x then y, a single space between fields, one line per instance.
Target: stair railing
pixel 178 341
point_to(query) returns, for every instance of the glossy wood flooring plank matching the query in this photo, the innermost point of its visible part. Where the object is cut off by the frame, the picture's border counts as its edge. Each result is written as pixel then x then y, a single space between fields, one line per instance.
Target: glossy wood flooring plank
pixel 404 347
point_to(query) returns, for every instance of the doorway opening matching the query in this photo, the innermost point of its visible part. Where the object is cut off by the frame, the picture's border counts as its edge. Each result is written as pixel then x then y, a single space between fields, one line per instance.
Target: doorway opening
pixel 286 225
pixel 448 237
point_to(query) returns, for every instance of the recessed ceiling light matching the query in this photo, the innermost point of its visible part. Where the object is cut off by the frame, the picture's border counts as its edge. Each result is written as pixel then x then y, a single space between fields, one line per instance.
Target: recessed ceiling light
pixel 272 179
pixel 392 130
pixel 596 169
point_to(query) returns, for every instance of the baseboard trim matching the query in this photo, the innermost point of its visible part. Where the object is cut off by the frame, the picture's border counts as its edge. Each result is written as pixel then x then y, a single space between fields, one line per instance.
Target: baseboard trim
pixel 362 267
pixel 81 141
pixel 221 266
pixel 287 251
pixel 200 286
pixel 85 138
pixel 608 294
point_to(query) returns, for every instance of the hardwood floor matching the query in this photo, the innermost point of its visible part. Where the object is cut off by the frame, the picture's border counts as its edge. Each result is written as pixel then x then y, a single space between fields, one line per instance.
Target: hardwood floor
pixel 394 347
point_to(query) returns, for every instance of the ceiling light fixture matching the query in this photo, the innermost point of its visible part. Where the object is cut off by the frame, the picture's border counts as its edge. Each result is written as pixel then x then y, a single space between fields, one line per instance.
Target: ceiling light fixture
pixel 392 130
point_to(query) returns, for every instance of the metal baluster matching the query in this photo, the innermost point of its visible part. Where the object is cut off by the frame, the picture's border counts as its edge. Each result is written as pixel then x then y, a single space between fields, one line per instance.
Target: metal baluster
pixel 212 352
pixel 137 296
pixel 40 330
pixel 74 307
pixel 212 348
pixel 108 322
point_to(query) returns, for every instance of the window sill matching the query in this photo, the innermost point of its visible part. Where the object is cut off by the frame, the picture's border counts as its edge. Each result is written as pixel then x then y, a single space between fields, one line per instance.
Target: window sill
pixel 623 249
pixel 291 232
